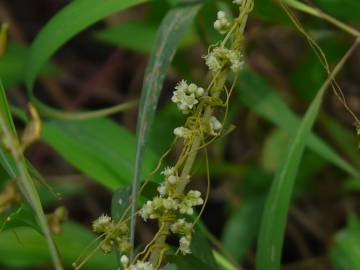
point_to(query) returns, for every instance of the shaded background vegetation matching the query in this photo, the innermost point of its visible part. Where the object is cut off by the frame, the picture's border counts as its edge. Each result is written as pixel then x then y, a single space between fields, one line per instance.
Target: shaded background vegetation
pixel 104 65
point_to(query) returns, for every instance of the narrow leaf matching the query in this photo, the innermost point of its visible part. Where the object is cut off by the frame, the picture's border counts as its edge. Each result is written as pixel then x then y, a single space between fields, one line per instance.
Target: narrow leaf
pixel 270 241
pixel 172 29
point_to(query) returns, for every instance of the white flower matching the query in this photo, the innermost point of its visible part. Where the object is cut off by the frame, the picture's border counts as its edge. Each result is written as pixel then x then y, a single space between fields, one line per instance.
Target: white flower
pixel 146 210
pixel 186 96
pixel 238 2
pixel 182 132
pixel 184 246
pixel 124 261
pixel 140 265
pixel 162 189
pixel 222 25
pixel 181 227
pixel 101 224
pixel 168 171
pixel 182 86
pixel 172 179
pixel 192 198
pixel 199 92
pixel 215 126
pixel 178 96
pixel 220 57
pixel 170 204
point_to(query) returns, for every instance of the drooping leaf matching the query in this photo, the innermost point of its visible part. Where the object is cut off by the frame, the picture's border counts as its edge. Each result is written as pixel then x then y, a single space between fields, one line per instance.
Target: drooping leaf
pixel 188 262
pixel 172 29
pixel 255 93
pixel 272 230
pixel 99 148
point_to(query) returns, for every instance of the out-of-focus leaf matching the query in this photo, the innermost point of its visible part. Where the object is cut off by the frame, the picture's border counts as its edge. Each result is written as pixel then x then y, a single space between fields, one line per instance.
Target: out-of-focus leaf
pixel 68 22
pixel 346 252
pixel 18 216
pixel 12 65
pixel 26 248
pixel 99 147
pixel 255 93
pixel 273 153
pixel 200 247
pixel 270 11
pixel 172 29
pixel 347 10
pixel 242 228
pixel 122 35
pixel 188 262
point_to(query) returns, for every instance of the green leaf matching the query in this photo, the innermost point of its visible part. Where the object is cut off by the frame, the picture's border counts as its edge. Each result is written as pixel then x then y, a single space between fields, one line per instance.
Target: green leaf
pixel 12 65
pixel 26 248
pixel 75 17
pixel 200 247
pixel 347 10
pixel 99 148
pixel 188 262
pixel 345 253
pixel 255 93
pixel 172 29
pixel 272 229
pixel 242 228
pixel 18 216
pixel 122 35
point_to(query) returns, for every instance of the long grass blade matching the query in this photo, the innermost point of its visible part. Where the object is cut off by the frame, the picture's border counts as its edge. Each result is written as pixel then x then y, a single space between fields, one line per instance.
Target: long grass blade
pixel 273 224
pixel 172 29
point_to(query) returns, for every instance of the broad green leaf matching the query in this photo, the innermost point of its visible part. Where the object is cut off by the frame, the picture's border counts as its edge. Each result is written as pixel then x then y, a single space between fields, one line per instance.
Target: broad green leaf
pixel 272 230
pixel 255 93
pixel 345 253
pixel 22 175
pixel 72 19
pixel 347 10
pixel 26 248
pixel 172 29
pixel 99 148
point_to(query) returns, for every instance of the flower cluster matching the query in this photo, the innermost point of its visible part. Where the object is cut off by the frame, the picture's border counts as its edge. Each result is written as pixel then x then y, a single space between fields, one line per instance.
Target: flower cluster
pixel 139 265
pixel 170 204
pixel 183 228
pixel 222 24
pixel 182 132
pixel 116 234
pixel 221 57
pixel 187 96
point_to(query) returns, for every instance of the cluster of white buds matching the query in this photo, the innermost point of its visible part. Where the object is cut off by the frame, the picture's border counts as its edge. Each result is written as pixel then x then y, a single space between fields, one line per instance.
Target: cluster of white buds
pixel 187 96
pixel 222 24
pixel 237 2
pixel 191 199
pixel 215 126
pixel 167 187
pixel 116 234
pixel 139 265
pixel 183 228
pixel 158 207
pixel 182 132
pixel 221 57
